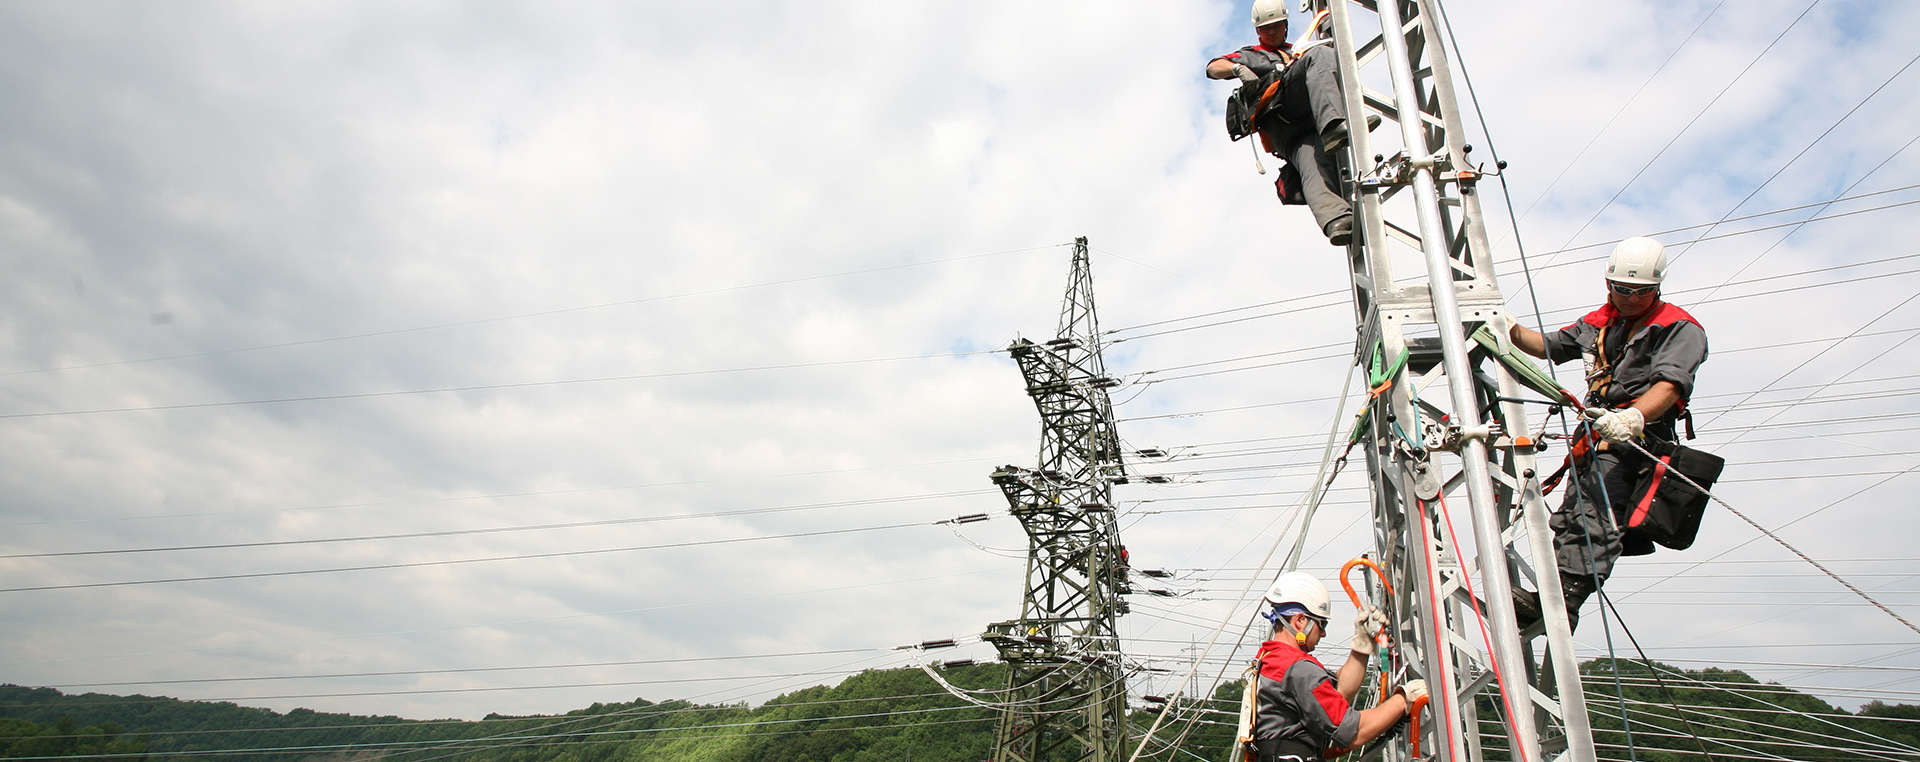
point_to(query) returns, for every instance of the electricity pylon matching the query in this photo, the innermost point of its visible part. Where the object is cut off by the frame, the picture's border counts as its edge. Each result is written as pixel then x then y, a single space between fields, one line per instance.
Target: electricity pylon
pixel 1066 687
pixel 1442 421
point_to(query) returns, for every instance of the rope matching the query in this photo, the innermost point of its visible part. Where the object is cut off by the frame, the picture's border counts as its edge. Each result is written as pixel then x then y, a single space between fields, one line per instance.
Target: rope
pixel 1748 691
pixel 1312 501
pixel 1816 356
pixel 1604 512
pixel 1817 212
pixel 1539 321
pixel 1783 543
pixel 1606 604
pixel 1293 562
pixel 1016 707
pixel 1486 637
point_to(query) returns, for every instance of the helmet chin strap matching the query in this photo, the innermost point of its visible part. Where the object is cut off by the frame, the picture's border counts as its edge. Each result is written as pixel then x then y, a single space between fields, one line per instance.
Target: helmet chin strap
pixel 1299 638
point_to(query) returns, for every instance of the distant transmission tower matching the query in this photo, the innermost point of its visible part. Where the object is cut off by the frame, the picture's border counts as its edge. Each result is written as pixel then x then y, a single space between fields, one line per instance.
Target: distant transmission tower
pixel 1444 420
pixel 1067 687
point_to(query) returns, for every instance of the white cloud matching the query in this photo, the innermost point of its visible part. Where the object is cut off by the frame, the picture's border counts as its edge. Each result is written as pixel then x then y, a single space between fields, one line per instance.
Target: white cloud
pixel 214 177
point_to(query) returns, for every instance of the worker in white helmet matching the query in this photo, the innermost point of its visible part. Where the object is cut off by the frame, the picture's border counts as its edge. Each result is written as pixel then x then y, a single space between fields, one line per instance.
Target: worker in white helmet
pixel 1299 708
pixel 1303 120
pixel 1641 354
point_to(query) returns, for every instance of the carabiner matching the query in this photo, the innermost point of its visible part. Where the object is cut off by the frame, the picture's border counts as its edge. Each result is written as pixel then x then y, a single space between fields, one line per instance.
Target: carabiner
pixel 1380 637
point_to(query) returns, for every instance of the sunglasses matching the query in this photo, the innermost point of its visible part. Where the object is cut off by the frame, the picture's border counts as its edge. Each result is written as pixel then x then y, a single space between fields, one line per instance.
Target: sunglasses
pixel 1624 289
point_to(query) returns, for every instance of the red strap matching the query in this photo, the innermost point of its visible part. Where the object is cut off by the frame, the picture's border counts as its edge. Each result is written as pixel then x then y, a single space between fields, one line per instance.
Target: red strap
pixel 1548 484
pixel 1646 501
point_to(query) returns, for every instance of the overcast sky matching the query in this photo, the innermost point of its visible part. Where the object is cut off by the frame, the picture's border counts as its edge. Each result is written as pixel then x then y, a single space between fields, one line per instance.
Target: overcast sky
pixel 682 260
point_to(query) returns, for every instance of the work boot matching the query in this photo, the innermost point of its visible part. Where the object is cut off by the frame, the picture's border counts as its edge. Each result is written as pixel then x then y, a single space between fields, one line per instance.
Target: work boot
pixel 1577 590
pixel 1526 608
pixel 1527 611
pixel 1334 136
pixel 1339 230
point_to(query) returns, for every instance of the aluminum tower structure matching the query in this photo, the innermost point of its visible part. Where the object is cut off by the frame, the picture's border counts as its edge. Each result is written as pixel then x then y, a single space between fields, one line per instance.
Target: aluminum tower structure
pixel 1066 683
pixel 1441 422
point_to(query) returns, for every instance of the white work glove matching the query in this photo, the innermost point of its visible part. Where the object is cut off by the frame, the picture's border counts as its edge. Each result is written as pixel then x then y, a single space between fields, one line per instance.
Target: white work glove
pixel 1619 425
pixel 1415 690
pixel 1245 74
pixel 1366 622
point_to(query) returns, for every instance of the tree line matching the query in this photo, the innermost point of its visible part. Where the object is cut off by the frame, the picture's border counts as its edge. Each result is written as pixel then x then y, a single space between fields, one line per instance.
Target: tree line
pixel 890 715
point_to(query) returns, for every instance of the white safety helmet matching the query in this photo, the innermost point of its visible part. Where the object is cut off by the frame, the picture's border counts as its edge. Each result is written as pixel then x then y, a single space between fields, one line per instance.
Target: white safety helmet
pixel 1300 589
pixel 1638 260
pixel 1269 12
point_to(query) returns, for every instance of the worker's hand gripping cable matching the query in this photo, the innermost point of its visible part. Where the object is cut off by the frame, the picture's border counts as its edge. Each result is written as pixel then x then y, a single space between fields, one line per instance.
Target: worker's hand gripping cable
pixel 1623 425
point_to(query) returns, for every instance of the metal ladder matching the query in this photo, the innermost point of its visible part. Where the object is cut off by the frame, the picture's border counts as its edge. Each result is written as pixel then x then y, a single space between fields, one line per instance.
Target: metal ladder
pixel 1438 424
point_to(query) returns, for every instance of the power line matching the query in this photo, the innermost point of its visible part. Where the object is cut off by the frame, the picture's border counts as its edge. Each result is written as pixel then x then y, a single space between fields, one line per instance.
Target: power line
pixel 1342 292
pixel 429 691
pixel 538 313
pixel 95 658
pixel 497 387
pixel 745 369
pixel 1795 224
pixel 1603 128
pixel 504 495
pixel 1890 476
pixel 483 721
pixel 451 562
pixel 1779 291
pixel 464 670
pixel 1696 118
pixel 1803 151
pixel 784 366
pixel 1328 345
pixel 748 735
pixel 1736 233
pixel 518 740
pixel 1309 400
pixel 1849 189
pixel 625 715
pixel 519 528
pixel 1262 366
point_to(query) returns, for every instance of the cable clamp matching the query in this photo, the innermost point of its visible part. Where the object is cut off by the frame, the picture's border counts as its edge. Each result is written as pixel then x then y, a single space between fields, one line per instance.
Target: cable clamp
pixel 1450 437
pixel 1387 172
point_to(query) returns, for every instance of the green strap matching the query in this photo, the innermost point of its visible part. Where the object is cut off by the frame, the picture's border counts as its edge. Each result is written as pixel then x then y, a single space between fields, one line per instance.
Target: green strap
pixel 1522 368
pixel 1529 374
pixel 1376 375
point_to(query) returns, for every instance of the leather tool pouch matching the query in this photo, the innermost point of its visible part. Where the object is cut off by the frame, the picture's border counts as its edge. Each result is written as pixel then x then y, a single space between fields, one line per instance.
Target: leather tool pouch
pixel 1667 510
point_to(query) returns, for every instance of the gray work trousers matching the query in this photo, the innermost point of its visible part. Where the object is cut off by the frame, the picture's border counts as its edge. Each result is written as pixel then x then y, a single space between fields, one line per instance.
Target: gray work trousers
pixel 1587 541
pixel 1311 100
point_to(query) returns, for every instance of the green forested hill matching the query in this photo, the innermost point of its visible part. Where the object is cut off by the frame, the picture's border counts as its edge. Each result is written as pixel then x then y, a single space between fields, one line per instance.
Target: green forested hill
pixel 876 715
pixel 1739 718
pixel 872 716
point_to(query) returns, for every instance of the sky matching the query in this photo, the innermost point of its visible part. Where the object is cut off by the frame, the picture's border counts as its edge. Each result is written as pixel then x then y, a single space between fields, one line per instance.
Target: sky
pixel 729 285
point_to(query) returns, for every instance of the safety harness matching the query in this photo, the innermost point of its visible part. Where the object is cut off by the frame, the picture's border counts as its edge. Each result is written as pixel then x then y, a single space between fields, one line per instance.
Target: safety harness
pixel 1383 646
pixel 1600 378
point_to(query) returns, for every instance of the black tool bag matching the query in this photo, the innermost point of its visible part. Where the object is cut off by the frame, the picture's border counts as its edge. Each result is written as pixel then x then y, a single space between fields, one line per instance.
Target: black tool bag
pixel 1245 101
pixel 1665 509
pixel 1240 111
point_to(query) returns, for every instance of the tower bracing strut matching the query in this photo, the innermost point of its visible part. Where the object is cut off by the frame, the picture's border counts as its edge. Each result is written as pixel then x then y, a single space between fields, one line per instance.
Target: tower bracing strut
pixel 1441 430
pixel 1067 689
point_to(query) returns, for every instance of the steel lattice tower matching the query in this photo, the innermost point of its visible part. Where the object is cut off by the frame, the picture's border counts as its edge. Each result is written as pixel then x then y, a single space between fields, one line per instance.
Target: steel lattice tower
pixel 1443 425
pixel 1066 681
